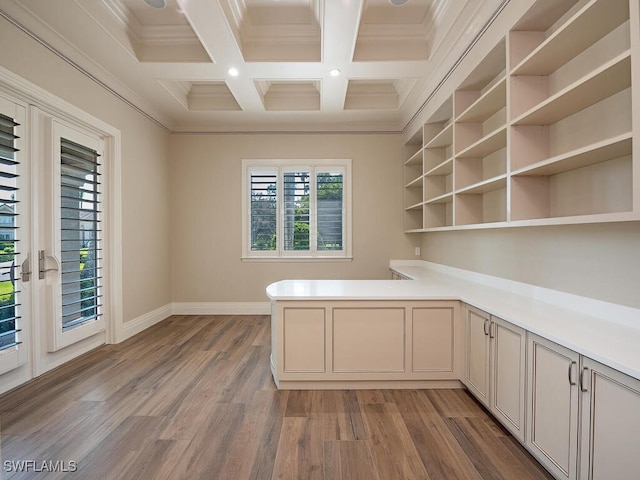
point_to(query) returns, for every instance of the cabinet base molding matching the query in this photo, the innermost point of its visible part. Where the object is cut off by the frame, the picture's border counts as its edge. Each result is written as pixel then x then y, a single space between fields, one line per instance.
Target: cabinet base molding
pixel 362 384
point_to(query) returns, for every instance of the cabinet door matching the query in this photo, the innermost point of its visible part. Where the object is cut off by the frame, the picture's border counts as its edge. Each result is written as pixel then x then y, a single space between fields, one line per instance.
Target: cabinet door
pixel 610 423
pixel 508 348
pixel 552 433
pixel 303 329
pixel 477 342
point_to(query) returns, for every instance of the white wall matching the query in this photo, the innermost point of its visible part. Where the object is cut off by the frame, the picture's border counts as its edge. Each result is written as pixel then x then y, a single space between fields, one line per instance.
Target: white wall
pixel 601 261
pixel 206 181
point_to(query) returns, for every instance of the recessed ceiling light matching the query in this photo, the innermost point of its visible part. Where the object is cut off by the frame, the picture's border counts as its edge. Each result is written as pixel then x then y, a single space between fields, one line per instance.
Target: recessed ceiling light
pixel 234 72
pixel 334 72
pixel 397 3
pixel 156 3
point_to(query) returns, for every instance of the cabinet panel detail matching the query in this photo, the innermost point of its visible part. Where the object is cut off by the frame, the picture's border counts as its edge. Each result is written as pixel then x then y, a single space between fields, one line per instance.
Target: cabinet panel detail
pixel 553 429
pixel 508 369
pixel 369 340
pixel 478 355
pixel 304 339
pixel 611 422
pixel 433 339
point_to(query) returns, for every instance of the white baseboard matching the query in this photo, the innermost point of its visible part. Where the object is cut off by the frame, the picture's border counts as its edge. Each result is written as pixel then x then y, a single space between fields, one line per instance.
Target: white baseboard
pixel 137 325
pixel 221 308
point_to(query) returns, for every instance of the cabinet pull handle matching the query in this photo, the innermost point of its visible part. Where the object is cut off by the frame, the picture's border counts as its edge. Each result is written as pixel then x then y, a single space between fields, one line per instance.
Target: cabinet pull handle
pixel 571 380
pixel 582 387
pixel 491 330
pixel 486 323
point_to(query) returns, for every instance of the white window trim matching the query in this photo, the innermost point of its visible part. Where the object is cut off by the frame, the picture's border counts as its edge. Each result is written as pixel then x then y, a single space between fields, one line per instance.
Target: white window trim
pixel 289 165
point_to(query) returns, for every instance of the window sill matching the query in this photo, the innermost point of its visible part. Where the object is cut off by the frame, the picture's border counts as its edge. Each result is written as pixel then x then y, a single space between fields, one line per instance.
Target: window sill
pixel 300 259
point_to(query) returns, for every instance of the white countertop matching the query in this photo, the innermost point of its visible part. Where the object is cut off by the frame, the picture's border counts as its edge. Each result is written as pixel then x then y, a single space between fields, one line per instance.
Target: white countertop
pixel 607 333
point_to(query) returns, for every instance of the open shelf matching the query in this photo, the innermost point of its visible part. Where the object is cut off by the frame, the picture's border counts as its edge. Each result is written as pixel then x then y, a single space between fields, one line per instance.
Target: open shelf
pixel 486 145
pixel 610 78
pixel 417 206
pixel 444 198
pixel 416 183
pixel 413 220
pixel 445 168
pixel 619 146
pixel 415 159
pixel 439 214
pixel 442 139
pixel 480 208
pixel 487 104
pixel 435 186
pixel 587 26
pixel 489 185
pixel 600 188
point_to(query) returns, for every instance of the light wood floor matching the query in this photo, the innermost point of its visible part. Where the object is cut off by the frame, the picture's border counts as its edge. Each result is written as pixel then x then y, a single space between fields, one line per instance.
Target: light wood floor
pixel 193 398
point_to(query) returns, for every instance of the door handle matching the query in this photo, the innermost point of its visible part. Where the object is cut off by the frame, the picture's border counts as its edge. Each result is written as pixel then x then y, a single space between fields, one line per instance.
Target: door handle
pixel 25 270
pixel 42 264
pixel 486 324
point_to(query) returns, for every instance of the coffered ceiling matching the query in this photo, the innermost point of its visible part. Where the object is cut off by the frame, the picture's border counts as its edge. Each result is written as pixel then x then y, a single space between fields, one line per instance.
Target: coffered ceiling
pixel 300 65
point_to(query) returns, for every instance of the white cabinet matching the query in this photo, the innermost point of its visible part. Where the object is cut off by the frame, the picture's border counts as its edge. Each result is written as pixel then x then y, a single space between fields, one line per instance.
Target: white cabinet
pixel 552 420
pixel 368 343
pixel 580 409
pixel 495 368
pixel 609 447
pixel 477 348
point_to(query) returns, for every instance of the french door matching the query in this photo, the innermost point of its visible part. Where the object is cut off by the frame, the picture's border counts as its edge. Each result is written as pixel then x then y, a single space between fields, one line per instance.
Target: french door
pixel 51 251
pixel 70 244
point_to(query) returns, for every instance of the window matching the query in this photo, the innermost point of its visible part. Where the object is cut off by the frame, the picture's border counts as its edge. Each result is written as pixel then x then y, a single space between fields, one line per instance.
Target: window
pixel 296 209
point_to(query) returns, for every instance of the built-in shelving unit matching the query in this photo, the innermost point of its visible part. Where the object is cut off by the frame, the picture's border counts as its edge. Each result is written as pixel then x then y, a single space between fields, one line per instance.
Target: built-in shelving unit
pixel 540 132
pixel 413 184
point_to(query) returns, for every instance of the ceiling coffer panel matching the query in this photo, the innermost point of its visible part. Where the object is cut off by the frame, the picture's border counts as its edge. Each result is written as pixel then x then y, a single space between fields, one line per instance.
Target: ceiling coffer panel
pixel 158 34
pixel 289 95
pixel 211 96
pixel 390 32
pixel 201 96
pixel 276 31
pixel 371 95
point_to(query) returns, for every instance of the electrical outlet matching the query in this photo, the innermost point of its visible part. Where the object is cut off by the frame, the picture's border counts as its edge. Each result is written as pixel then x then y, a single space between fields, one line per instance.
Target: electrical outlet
pixel 417 251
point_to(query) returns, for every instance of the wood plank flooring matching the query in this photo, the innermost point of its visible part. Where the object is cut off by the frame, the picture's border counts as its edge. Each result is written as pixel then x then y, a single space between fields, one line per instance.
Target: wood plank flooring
pixel 193 398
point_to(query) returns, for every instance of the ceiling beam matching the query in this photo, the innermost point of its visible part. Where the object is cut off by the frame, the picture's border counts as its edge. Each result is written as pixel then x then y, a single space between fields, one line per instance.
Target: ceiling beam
pixel 210 25
pixel 341 20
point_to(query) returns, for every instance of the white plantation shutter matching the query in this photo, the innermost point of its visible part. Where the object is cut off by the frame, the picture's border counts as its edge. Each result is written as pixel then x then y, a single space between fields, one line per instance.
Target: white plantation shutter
pixel 330 210
pixel 295 210
pixel 264 209
pixel 9 296
pixel 80 234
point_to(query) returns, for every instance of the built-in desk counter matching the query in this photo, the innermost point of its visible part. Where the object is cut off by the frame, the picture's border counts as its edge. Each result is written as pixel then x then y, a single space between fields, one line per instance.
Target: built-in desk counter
pixel 366 333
